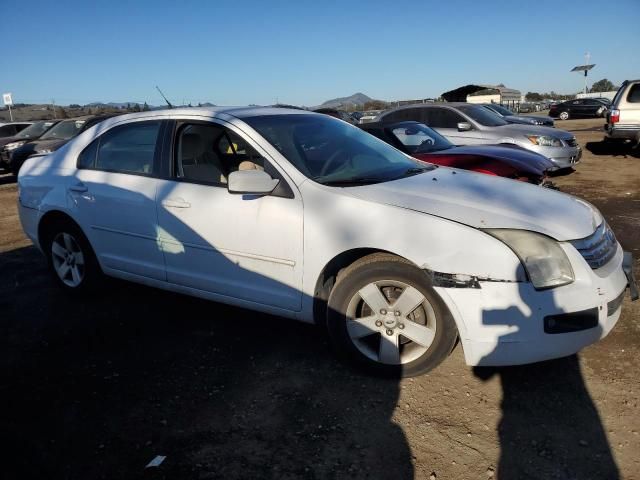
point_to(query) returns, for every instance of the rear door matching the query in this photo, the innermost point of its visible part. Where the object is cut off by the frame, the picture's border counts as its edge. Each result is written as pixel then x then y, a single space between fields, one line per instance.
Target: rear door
pixel 114 196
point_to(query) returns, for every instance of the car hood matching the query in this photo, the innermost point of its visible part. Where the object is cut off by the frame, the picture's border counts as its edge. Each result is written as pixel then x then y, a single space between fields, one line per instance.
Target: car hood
pixel 517 131
pixel 521 159
pixel 485 201
pixel 40 145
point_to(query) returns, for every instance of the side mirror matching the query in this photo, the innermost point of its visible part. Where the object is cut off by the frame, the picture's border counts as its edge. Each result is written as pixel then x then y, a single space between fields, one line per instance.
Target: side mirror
pixel 464 127
pixel 256 182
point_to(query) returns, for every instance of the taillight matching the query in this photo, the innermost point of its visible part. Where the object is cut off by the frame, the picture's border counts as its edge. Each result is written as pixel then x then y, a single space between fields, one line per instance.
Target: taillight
pixel 614 116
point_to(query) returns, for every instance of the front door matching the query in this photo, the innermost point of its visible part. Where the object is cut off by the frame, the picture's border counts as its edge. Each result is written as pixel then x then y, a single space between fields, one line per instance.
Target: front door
pixel 242 247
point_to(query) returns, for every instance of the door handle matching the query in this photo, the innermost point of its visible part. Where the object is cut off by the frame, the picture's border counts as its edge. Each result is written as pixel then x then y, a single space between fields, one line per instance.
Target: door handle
pixel 175 203
pixel 78 188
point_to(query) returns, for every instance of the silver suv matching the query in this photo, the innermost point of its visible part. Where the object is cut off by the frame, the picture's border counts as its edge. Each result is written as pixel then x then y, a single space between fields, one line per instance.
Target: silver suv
pixel 623 118
pixel 468 124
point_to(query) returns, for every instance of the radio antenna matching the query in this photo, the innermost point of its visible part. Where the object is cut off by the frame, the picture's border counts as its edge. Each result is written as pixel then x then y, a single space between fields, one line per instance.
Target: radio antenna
pixel 165 98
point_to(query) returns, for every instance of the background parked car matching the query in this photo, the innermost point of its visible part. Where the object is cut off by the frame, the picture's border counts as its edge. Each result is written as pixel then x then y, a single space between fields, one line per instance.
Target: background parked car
pixel 341 114
pixel 469 124
pixel 9 144
pixel 10 129
pixel 623 120
pixel 579 108
pixel 511 117
pixel 424 143
pixel 369 116
pixel 52 140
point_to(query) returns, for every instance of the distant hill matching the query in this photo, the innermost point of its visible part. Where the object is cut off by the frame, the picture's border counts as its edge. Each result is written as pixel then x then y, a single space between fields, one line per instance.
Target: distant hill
pixel 115 104
pixel 342 102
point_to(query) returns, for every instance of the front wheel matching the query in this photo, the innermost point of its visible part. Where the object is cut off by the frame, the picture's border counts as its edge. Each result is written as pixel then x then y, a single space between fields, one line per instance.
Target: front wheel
pixel 384 315
pixel 564 115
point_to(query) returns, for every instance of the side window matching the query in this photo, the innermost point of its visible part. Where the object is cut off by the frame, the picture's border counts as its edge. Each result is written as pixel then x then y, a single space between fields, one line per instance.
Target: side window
pixel 444 118
pixel 6 131
pixel 209 153
pixel 414 114
pixel 128 149
pixel 634 93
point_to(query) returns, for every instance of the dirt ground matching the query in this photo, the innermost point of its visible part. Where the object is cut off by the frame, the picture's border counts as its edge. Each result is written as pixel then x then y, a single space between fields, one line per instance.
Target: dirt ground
pixel 97 387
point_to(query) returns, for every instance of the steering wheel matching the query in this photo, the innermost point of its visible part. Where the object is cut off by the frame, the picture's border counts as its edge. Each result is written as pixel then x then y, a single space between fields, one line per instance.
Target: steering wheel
pixel 428 141
pixel 330 161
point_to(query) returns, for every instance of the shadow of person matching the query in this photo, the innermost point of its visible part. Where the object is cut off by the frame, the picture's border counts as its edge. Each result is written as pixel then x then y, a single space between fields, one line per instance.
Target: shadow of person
pixel 550 427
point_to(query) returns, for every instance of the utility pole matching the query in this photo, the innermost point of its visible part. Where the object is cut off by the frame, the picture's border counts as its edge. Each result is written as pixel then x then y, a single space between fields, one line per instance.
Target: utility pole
pixel 587 57
pixel 53 105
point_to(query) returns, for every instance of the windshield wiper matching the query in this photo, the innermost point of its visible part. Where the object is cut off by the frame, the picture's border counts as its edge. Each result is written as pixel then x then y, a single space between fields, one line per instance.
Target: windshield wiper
pixel 352 181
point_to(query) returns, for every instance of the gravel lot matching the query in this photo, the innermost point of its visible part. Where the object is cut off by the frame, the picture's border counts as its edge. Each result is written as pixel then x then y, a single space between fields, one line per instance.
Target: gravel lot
pixel 96 388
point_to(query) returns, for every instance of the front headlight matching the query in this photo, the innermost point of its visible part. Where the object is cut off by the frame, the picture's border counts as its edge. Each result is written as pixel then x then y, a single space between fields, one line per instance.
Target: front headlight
pixel 13 145
pixel 545 140
pixel 544 260
pixel 46 150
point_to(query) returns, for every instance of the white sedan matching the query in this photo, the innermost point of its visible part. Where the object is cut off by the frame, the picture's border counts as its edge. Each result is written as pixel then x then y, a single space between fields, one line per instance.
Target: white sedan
pixel 305 216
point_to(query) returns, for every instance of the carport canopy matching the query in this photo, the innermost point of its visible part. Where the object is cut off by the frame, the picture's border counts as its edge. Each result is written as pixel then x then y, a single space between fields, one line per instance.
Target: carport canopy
pixel 460 94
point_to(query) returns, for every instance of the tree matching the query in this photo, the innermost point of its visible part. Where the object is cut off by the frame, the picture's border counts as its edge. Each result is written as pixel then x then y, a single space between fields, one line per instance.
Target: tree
pixel 61 112
pixel 145 107
pixel 533 97
pixel 603 85
pixel 136 107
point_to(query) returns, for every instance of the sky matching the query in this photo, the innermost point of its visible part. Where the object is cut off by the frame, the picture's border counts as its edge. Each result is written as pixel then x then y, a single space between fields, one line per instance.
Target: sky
pixel 305 52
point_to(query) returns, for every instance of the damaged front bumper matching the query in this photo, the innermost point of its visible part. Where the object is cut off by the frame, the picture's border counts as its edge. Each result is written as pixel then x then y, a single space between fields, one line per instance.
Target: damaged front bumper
pixel 510 322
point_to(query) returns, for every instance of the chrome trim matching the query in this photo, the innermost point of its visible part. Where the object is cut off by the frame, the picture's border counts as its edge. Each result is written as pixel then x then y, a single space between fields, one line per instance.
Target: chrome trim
pixel 599 247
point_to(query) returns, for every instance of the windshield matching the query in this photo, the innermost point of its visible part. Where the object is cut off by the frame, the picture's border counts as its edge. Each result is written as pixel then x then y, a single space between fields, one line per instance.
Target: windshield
pixel 333 152
pixel 501 110
pixel 418 138
pixel 35 130
pixel 64 130
pixel 482 115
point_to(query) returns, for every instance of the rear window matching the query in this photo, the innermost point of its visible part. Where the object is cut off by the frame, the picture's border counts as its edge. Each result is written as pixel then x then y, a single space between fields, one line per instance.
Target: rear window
pixel 634 93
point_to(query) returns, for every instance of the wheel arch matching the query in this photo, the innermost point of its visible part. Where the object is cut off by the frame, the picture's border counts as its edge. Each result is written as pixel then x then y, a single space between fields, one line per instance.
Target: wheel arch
pixel 52 217
pixel 327 278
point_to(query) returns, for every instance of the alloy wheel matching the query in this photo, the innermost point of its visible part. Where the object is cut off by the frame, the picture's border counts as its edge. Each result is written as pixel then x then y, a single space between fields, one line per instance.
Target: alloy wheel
pixel 391 322
pixel 68 259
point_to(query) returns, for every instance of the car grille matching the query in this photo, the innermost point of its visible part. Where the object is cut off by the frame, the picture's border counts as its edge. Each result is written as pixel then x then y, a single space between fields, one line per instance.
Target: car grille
pixel 599 247
pixel 571 142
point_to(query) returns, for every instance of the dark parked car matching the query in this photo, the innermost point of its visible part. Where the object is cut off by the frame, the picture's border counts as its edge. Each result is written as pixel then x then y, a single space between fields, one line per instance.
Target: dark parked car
pixel 33 131
pixel 341 114
pixel 511 117
pixel 579 108
pixel 424 143
pixel 52 140
pixel 10 129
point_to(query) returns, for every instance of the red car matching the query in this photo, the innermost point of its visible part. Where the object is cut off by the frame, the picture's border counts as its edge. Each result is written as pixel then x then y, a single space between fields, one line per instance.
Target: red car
pixel 423 143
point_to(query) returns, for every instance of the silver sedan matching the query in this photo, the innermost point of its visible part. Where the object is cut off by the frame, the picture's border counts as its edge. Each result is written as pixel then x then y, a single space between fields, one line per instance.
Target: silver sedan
pixel 468 124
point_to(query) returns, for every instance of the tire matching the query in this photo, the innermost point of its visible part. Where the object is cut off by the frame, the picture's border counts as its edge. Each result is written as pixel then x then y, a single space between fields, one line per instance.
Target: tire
pixel 402 342
pixel 71 259
pixel 564 115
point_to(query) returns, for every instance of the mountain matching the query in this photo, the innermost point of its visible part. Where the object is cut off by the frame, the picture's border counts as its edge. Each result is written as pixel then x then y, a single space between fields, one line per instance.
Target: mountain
pixel 355 99
pixel 115 104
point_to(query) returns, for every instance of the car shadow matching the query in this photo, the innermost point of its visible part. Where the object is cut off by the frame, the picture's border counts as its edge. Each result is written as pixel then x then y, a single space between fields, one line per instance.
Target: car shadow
pixel 550 427
pixel 615 149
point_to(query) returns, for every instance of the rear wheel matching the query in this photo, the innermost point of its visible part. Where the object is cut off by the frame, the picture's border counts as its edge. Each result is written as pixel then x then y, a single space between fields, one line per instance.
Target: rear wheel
pixel 70 257
pixel 384 315
pixel 564 115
